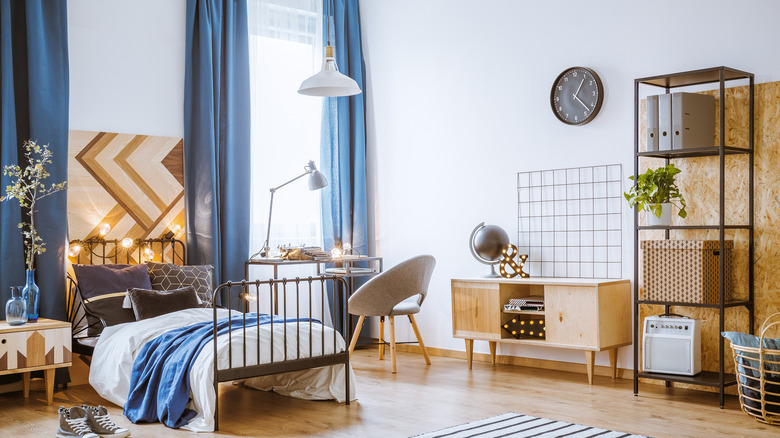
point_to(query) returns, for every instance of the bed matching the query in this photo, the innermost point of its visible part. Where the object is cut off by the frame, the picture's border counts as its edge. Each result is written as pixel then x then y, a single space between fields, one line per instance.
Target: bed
pixel 289 353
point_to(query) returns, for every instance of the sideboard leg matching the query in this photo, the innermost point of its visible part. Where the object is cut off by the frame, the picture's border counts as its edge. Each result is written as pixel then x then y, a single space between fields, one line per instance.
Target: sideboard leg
pixel 613 352
pixel 590 357
pixel 492 351
pixel 469 351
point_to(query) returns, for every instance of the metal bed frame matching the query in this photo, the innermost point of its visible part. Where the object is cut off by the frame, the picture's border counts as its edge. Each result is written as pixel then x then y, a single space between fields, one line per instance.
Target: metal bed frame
pixel 275 292
pixel 99 251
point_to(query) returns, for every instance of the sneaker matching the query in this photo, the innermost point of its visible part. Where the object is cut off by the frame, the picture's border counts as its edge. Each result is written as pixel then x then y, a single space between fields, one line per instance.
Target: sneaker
pixel 100 423
pixel 73 424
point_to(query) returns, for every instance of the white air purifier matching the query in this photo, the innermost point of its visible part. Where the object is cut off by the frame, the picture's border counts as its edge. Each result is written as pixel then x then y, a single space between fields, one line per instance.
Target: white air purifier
pixel 671 345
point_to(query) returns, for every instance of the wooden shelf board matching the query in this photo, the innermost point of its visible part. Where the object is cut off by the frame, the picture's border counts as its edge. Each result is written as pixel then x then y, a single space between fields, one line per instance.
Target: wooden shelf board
pixel 705 305
pixel 694 77
pixel 544 281
pixel 704 378
pixel 525 312
pixel 713 151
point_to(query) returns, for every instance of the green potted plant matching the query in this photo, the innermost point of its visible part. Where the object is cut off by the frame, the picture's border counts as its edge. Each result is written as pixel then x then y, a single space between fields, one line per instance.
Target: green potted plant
pixel 655 191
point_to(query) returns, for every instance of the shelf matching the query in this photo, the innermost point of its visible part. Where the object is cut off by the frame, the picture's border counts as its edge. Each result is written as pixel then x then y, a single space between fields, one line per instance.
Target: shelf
pixel 704 378
pixel 704 305
pixel 525 312
pixel 692 227
pixel 694 77
pixel 713 151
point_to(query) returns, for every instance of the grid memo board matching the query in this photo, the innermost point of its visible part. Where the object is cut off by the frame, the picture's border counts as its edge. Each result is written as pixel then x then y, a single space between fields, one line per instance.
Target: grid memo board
pixel 570 221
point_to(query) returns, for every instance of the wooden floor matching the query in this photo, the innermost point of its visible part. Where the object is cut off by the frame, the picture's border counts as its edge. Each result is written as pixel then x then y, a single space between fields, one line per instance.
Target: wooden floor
pixel 424 398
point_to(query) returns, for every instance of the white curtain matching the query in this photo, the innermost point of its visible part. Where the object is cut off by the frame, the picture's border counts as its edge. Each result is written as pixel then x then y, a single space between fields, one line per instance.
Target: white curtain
pixel 285 47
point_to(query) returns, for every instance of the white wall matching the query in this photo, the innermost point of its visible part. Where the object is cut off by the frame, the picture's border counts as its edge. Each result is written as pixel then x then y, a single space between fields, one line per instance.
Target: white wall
pixel 127 66
pixel 458 103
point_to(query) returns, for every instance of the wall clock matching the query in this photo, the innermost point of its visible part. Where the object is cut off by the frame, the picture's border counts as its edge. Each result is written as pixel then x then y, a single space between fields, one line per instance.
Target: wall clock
pixel 576 96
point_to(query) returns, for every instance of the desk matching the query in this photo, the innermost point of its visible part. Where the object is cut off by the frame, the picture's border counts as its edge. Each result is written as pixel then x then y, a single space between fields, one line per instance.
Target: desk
pixel 43 345
pixel 345 267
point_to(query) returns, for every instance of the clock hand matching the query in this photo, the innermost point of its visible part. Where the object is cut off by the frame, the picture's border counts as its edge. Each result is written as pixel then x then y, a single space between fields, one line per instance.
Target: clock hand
pixel 578 88
pixel 580 101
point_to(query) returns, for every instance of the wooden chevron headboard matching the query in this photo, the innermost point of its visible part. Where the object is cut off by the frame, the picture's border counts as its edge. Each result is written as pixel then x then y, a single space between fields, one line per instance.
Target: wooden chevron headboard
pixel 133 183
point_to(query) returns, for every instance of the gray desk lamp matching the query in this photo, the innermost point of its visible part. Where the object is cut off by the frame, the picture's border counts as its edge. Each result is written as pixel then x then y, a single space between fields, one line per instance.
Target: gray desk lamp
pixel 316 181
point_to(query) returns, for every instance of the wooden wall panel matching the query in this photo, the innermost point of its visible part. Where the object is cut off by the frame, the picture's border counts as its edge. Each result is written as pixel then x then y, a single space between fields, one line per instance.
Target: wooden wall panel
pixel 132 182
pixel 699 184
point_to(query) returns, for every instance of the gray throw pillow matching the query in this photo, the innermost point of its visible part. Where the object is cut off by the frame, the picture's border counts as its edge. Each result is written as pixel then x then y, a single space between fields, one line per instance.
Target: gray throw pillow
pixel 151 303
pixel 167 276
pixel 103 289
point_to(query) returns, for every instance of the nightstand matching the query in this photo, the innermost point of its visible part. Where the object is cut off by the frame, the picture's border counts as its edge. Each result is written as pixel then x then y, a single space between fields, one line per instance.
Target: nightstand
pixel 40 346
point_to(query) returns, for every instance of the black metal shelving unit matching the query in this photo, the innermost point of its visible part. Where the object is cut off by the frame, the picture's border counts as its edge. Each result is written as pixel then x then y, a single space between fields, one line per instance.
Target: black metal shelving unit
pixel 719 75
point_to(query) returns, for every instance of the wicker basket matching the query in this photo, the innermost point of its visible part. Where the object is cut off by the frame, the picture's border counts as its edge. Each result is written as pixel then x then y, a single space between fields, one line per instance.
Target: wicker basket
pixel 758 377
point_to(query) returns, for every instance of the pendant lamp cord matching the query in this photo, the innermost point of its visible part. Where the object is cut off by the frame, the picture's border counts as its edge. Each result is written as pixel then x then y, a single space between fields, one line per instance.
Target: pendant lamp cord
pixel 327 19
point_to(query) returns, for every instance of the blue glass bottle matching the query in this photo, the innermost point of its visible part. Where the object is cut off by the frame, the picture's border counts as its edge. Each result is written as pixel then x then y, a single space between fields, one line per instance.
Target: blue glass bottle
pixel 31 296
pixel 16 308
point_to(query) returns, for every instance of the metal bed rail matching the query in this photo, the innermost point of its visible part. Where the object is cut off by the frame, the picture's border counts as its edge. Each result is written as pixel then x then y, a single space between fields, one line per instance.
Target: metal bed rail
pixel 277 294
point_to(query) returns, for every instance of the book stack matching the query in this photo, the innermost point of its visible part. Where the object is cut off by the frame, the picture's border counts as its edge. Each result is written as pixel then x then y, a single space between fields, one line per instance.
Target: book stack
pixel 535 303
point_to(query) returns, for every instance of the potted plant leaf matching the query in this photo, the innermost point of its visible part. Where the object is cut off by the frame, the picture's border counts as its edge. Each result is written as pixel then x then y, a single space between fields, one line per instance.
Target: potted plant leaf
pixel 655 191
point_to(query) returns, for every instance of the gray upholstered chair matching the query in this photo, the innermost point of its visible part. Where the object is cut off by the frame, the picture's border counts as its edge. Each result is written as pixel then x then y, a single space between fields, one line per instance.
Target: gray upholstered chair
pixel 399 290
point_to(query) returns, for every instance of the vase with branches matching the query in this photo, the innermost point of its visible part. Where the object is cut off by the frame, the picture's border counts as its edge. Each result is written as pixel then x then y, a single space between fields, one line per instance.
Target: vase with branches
pixel 28 187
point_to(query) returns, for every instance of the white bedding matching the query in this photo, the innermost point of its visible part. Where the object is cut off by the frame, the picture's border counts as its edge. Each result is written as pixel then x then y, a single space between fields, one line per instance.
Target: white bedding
pixel 112 362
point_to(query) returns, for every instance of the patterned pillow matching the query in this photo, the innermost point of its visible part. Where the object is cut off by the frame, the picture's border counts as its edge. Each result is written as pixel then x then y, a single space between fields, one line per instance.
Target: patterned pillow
pixel 167 276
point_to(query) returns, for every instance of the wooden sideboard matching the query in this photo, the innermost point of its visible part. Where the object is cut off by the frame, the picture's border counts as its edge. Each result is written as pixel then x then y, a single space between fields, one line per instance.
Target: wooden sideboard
pixel 581 314
pixel 42 345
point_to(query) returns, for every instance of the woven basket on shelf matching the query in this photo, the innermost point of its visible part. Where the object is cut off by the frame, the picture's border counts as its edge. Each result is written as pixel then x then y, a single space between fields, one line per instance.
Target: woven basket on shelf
pixel 758 376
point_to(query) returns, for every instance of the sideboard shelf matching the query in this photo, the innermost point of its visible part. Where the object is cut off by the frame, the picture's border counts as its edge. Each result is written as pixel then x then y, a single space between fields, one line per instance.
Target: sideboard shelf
pixel 580 314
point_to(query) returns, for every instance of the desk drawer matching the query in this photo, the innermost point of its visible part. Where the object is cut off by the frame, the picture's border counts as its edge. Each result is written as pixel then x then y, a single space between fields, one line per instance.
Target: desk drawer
pixel 34 348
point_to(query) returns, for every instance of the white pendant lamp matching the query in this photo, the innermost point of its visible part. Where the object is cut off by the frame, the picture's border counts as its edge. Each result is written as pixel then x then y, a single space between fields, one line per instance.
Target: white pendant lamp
pixel 329 82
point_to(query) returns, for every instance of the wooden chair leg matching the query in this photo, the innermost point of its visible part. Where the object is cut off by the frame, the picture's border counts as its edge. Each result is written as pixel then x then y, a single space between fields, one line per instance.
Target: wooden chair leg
pixel 355 334
pixel 392 342
pixel 419 339
pixel 381 338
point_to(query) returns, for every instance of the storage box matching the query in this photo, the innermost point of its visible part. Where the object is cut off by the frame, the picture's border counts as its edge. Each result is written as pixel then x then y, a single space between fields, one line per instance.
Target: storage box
pixel 684 270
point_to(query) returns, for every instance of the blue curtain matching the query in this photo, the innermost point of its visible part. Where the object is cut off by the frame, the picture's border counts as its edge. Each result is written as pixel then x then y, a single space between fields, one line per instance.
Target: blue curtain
pixel 216 136
pixel 343 146
pixel 34 105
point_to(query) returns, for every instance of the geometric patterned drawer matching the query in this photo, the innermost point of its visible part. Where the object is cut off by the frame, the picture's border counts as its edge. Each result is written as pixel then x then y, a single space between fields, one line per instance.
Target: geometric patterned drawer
pixel 34 345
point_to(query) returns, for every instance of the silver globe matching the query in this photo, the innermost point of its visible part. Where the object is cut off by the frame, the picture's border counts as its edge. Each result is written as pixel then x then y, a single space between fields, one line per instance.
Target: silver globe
pixel 486 244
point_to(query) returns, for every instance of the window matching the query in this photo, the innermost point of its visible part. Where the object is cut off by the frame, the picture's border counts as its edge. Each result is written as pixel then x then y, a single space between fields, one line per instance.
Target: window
pixel 285 45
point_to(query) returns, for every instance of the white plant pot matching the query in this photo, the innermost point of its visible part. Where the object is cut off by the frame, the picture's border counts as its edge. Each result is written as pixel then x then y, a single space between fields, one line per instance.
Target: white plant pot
pixel 665 219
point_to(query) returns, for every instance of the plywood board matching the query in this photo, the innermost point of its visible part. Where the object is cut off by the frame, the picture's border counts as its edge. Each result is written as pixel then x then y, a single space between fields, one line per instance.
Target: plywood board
pixel 699 184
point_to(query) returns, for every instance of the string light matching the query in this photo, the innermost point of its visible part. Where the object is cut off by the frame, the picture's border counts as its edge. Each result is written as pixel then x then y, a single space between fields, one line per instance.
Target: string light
pixel 148 253
pixel 74 250
pixel 127 242
pixel 104 229
pixel 175 228
pixel 336 253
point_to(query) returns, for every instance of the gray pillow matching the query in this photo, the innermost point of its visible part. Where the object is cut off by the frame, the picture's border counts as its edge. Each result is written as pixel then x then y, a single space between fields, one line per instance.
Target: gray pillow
pixel 150 303
pixel 167 276
pixel 103 289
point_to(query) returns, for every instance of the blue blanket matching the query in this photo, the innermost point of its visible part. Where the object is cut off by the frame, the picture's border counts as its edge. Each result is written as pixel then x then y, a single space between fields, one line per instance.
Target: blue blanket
pixel 160 384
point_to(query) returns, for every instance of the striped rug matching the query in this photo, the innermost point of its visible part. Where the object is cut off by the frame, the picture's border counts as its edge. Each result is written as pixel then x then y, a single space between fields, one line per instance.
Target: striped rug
pixel 526 426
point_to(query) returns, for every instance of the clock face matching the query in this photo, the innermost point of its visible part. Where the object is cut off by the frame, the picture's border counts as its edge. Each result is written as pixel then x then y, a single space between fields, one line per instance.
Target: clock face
pixel 576 96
